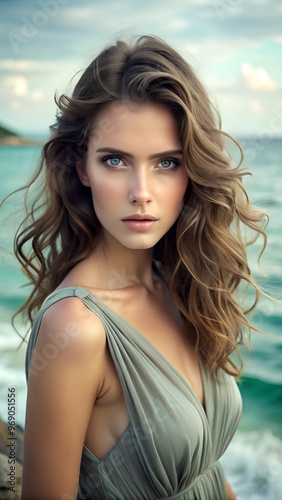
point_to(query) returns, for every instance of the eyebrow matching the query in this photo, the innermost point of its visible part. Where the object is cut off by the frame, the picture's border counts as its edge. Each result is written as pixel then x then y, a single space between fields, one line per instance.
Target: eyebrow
pixel 151 157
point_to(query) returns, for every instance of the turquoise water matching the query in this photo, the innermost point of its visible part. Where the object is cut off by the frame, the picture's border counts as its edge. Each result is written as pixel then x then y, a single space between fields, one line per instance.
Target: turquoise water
pixel 253 462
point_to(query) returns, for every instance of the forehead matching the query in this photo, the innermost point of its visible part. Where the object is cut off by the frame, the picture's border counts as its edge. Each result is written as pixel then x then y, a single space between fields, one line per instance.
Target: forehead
pixel 122 122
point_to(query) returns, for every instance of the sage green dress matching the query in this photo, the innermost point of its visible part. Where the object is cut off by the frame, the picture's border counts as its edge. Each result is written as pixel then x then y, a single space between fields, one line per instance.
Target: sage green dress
pixel 172 445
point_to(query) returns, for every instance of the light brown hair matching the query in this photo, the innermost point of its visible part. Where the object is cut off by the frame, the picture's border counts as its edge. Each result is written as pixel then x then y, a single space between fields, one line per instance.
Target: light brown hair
pixel 203 256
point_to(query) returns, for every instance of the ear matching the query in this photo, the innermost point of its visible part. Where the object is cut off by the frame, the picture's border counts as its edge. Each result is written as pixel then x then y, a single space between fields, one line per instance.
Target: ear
pixel 82 173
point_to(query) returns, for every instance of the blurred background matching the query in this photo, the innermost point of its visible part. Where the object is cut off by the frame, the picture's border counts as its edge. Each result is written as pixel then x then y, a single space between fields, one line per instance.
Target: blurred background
pixel 235 48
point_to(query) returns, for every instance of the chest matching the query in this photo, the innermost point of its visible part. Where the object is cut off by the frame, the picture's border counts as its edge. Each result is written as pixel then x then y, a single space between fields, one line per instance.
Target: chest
pixel 160 323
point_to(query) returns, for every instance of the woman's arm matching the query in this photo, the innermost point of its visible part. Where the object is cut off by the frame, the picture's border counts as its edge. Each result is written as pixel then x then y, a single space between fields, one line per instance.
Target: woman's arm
pixel 61 395
pixel 230 494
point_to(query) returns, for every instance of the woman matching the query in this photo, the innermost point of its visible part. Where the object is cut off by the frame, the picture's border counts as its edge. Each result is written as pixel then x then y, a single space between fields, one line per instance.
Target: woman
pixel 137 251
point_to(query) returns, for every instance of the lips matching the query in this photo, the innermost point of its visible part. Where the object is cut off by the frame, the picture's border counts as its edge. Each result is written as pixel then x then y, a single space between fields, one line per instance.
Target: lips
pixel 138 217
pixel 140 223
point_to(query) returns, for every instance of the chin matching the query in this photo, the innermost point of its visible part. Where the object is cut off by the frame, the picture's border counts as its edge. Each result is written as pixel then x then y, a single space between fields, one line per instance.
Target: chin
pixel 134 244
pixel 137 246
pixel 136 241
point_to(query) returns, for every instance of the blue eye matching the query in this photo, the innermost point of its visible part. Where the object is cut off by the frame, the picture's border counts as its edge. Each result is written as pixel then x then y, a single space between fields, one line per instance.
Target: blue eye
pixel 168 164
pixel 113 161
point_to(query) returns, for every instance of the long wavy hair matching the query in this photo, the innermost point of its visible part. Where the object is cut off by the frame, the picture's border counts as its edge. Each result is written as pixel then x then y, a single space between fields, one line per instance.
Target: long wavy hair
pixel 203 256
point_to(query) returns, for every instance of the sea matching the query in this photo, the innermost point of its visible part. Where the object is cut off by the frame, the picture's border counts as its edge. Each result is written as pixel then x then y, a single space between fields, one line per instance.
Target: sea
pixel 253 460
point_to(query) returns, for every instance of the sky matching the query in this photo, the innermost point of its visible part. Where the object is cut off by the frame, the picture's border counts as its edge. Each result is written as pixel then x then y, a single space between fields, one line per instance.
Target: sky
pixel 235 47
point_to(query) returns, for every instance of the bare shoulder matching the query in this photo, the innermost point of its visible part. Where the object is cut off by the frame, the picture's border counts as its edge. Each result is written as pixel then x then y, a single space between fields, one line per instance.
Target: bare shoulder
pixel 70 324
pixel 66 376
pixel 70 336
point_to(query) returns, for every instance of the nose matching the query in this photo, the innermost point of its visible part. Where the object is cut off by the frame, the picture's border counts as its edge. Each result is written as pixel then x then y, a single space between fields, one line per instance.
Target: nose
pixel 140 188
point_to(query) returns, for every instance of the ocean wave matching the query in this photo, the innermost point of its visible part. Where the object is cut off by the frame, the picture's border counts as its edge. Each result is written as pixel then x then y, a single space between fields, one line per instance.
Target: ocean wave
pixel 260 318
pixel 253 466
pixel 253 386
pixel 12 302
pixel 11 340
pixel 265 202
pixel 262 404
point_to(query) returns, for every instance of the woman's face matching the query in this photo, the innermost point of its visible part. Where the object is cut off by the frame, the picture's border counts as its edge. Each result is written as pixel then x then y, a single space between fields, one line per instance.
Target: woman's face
pixel 134 168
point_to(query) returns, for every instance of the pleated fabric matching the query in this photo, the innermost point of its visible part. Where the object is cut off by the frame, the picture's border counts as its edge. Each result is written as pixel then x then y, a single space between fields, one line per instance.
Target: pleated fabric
pixel 172 445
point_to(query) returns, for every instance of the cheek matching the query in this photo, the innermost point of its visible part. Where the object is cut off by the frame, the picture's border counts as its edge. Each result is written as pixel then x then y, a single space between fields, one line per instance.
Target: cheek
pixel 106 194
pixel 177 195
pixel 179 199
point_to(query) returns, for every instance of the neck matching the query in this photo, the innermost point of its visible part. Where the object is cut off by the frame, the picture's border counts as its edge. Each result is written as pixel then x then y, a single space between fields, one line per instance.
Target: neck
pixel 116 266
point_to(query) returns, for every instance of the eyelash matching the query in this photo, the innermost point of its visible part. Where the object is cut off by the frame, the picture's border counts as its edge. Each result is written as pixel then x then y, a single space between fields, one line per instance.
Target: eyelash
pixel 104 160
pixel 173 160
pixel 114 167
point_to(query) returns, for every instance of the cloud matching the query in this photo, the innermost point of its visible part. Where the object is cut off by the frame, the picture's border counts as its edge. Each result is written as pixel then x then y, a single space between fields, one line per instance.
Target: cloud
pixel 25 65
pixel 16 86
pixel 256 106
pixel 38 67
pixel 234 47
pixel 257 78
pixel 74 27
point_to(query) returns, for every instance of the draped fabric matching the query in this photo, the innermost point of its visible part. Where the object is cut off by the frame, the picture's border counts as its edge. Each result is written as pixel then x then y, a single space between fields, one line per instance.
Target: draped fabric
pixel 172 444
